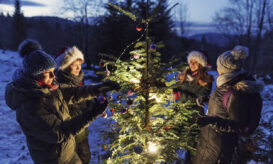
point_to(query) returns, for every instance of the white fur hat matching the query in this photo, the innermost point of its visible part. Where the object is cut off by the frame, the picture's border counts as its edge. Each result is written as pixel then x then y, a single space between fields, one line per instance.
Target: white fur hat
pixel 199 57
pixel 69 56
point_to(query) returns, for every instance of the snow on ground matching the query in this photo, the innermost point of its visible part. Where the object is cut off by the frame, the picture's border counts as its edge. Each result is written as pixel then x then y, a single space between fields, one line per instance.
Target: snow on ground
pixel 13 149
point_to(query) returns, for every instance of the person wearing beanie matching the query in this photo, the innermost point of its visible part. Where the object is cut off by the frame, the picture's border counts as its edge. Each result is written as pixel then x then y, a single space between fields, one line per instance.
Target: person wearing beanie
pixel 234 109
pixel 27 46
pixel 69 74
pixel 193 83
pixel 42 109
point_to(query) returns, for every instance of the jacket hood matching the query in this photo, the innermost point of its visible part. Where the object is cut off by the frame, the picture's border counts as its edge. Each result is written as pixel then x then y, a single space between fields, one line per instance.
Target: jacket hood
pixel 23 89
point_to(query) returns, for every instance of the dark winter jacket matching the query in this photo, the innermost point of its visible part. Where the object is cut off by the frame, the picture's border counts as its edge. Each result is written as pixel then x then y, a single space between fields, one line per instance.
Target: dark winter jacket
pixel 68 80
pixel 44 117
pixel 219 136
pixel 189 92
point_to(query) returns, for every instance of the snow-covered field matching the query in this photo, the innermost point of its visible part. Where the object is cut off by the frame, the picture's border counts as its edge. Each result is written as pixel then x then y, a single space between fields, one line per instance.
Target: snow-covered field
pixel 13 149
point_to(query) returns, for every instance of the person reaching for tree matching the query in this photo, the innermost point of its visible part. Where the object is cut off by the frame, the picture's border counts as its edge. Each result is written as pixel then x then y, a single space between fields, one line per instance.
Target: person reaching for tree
pixel 193 83
pixel 42 109
pixel 234 109
pixel 70 74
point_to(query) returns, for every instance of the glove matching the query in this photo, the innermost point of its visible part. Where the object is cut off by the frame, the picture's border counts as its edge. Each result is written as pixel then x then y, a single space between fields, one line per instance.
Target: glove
pixel 96 108
pixel 203 121
pixel 111 84
pixel 224 125
pixel 108 86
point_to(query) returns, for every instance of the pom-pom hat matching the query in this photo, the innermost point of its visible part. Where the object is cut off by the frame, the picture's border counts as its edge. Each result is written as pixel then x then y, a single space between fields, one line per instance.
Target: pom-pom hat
pixel 37 62
pixel 233 60
pixel 27 46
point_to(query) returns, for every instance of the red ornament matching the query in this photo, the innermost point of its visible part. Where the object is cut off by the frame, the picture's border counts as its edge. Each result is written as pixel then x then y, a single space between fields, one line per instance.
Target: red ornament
pixel 104 115
pixel 139 27
pixel 167 128
pixel 112 110
pixel 130 93
pixel 136 56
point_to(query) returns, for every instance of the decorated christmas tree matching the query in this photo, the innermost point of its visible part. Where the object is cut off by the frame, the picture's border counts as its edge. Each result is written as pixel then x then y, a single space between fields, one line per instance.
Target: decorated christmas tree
pixel 149 124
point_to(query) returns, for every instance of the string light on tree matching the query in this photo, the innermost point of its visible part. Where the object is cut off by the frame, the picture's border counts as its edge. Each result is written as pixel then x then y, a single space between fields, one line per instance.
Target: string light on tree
pixel 152 147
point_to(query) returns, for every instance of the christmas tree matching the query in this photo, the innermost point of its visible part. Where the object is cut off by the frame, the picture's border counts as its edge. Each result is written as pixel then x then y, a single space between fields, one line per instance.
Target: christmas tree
pixel 150 125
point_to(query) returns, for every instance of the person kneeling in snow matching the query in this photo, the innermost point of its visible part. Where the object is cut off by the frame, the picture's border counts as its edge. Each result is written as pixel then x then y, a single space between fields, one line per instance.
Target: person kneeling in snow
pixel 234 109
pixel 42 109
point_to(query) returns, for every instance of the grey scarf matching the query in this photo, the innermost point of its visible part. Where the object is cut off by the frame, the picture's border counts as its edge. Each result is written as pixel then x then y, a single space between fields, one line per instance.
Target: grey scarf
pixel 224 78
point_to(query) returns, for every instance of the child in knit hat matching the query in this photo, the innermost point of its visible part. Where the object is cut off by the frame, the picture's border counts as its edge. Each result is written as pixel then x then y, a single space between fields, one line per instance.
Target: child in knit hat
pixel 194 82
pixel 234 109
pixel 42 110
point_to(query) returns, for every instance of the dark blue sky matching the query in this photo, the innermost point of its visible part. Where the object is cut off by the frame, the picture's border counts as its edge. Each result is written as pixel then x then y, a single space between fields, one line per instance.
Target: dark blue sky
pixel 198 10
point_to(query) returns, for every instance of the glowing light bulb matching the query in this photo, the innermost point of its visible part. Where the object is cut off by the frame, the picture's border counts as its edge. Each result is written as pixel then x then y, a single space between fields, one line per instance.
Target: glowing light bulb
pixel 157 99
pixel 152 148
pixel 135 80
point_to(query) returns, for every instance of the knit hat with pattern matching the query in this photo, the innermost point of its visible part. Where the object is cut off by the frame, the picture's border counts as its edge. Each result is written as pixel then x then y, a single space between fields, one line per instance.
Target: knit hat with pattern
pixel 233 60
pixel 37 62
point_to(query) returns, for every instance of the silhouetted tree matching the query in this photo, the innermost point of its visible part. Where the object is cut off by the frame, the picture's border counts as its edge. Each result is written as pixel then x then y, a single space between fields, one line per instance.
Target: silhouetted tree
pixel 115 31
pixel 244 22
pixel 19 25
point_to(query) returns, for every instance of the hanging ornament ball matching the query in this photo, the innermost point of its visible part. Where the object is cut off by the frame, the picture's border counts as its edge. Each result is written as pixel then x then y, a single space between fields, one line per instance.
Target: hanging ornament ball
pixel 101 99
pixel 112 110
pixel 104 115
pixel 111 98
pixel 139 27
pixel 124 110
pixel 153 46
pixel 130 93
pixel 119 97
pixel 102 64
pixel 136 56
pixel 130 102
pixel 107 73
pixel 167 128
pixel 138 149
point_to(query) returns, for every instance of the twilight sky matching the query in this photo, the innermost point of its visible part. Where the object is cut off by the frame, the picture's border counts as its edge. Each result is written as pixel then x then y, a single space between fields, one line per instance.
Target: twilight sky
pixel 198 10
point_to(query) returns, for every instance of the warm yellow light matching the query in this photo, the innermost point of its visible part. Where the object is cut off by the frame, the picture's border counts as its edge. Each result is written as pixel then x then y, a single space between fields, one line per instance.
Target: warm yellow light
pixel 152 148
pixel 154 96
pixel 134 80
